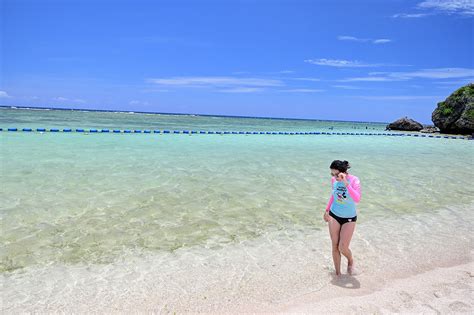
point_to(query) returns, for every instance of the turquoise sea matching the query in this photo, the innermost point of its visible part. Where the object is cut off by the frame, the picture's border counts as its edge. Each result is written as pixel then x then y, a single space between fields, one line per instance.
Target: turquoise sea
pixel 74 205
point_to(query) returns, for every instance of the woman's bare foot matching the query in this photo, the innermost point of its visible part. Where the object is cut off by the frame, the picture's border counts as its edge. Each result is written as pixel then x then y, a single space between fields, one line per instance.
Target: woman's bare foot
pixel 351 269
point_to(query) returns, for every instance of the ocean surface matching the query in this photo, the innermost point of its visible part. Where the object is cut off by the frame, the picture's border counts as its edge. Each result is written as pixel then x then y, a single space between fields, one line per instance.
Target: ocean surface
pixel 78 207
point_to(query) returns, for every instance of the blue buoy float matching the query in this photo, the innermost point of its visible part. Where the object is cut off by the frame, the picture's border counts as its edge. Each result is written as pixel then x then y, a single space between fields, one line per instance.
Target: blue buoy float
pixel 148 131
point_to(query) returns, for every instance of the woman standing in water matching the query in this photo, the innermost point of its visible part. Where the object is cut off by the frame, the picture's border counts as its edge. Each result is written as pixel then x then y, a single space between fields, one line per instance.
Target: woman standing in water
pixel 341 213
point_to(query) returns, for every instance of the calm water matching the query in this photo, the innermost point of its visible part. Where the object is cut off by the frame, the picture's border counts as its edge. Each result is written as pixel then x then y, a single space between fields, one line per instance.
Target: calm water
pixel 70 199
pixel 92 222
pixel 26 118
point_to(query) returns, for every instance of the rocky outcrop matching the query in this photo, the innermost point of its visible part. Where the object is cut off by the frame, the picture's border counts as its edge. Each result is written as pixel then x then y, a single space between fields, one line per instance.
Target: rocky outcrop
pixel 456 113
pixel 406 124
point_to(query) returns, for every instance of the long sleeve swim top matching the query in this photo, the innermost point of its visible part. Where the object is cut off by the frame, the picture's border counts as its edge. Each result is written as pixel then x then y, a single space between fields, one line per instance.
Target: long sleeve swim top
pixel 353 189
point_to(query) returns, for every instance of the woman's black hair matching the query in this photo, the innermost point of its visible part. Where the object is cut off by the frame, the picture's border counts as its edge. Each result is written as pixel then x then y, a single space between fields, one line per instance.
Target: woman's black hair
pixel 341 166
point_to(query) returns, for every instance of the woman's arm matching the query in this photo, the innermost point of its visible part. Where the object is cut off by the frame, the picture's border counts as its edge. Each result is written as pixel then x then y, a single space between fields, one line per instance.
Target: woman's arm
pixel 354 189
pixel 329 203
pixel 332 196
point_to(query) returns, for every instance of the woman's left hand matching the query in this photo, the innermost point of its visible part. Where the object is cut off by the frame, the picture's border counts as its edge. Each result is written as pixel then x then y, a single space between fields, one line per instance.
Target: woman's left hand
pixel 342 177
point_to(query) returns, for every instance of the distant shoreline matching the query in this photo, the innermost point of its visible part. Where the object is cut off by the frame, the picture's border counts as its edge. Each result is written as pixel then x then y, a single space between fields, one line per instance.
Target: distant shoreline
pixel 182 114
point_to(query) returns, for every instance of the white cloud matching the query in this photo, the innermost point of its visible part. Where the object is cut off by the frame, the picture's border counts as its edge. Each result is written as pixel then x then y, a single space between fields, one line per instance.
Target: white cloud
pixel 65 99
pixel 4 94
pixel 353 39
pixel 465 7
pixel 400 97
pixel 364 40
pixel 410 15
pixel 339 63
pixel 218 81
pixel 382 41
pixel 368 79
pixel 457 82
pixel 436 73
pixel 346 87
pixel 461 7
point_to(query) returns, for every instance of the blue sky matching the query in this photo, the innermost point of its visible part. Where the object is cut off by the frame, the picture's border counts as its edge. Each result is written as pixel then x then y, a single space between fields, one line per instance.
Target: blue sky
pixel 340 60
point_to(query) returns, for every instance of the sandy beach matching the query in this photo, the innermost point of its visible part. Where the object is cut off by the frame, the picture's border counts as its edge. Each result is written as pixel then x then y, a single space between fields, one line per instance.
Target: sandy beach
pixel 278 273
pixel 443 290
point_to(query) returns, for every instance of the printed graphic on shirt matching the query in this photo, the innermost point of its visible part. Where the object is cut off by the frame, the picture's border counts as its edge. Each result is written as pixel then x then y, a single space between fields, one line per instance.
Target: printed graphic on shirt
pixel 341 193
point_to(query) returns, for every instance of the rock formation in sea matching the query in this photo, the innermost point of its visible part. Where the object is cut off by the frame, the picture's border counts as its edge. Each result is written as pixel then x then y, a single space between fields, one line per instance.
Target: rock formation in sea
pixel 456 113
pixel 406 124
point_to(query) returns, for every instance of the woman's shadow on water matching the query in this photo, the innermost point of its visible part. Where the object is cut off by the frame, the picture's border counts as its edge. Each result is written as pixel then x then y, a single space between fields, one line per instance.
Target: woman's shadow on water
pixel 345 281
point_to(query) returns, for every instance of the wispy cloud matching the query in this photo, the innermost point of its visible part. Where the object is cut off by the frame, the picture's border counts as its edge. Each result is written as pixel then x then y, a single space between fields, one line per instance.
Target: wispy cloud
pixel 410 15
pixel 218 81
pixel 307 79
pixel 285 72
pixel 449 6
pixel 241 90
pixel 368 79
pixel 346 87
pixel 339 63
pixel 382 41
pixel 65 99
pixel 437 73
pixel 364 40
pixel 4 94
pixel 399 97
pixel 459 7
pixel 457 82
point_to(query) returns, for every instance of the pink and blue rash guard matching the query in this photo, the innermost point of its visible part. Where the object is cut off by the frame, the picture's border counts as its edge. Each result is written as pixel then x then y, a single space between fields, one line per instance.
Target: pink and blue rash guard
pixel 343 199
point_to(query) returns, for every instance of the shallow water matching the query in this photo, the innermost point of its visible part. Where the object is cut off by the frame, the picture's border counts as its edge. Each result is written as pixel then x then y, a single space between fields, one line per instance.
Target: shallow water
pixel 72 200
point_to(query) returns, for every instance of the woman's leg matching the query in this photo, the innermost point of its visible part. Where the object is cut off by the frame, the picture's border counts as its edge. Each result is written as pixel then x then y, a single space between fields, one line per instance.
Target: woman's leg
pixel 334 228
pixel 347 229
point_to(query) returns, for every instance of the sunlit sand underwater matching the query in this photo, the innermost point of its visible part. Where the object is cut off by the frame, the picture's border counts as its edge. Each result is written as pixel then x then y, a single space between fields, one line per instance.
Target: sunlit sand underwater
pixel 169 219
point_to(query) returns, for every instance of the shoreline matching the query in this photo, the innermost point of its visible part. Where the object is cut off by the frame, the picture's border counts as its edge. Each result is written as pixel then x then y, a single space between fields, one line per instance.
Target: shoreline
pixel 275 273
